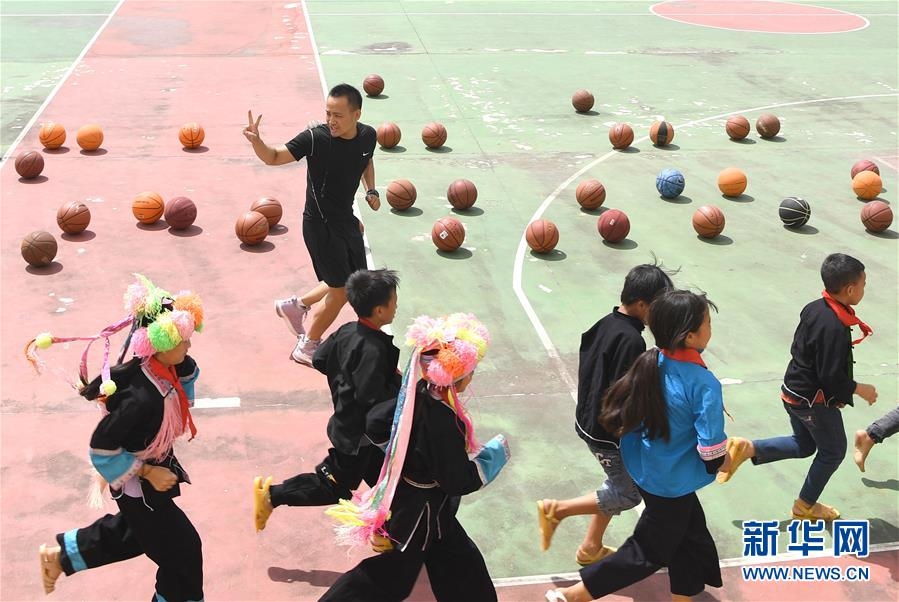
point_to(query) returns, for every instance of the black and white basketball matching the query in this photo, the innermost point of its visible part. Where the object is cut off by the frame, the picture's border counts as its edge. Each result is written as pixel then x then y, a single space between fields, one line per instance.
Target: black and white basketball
pixel 794 212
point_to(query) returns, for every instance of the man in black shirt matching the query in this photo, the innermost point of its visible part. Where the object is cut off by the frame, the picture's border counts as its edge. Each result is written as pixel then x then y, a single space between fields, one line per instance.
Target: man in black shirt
pixel 338 155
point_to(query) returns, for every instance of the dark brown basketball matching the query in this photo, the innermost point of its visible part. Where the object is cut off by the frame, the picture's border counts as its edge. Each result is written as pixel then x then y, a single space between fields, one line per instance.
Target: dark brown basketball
pixel 373 84
pixel 708 221
pixel 180 213
pixel 864 165
pixel 433 135
pixel 401 194
pixel 389 134
pixel 582 101
pixel 73 217
pixel 270 208
pixel 30 164
pixel 148 207
pixel 737 127
pixel 448 234
pixel 462 194
pixel 590 194
pixel 621 135
pixel 661 133
pixel 542 236
pixel 613 225
pixel 251 228
pixel 767 125
pixel 39 248
pixel 877 216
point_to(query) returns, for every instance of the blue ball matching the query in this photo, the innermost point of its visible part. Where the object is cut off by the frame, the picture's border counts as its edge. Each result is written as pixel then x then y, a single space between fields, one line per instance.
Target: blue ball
pixel 670 183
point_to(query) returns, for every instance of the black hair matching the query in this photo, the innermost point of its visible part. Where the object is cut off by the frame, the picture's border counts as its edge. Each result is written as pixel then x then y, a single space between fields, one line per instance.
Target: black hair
pixel 352 95
pixel 637 398
pixel 367 289
pixel 645 282
pixel 839 271
pixel 120 373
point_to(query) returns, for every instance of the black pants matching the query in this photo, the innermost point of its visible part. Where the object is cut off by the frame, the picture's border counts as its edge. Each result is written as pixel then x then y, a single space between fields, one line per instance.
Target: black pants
pixel 456 570
pixel 334 479
pixel 163 533
pixel 671 533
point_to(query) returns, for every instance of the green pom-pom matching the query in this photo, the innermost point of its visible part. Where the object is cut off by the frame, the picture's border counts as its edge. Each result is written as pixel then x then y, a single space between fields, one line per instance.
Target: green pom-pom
pixel 43 340
pixel 107 387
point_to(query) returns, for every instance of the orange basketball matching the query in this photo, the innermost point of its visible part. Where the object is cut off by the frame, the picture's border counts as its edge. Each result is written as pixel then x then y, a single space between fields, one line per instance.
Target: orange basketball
pixel 867 185
pixel 582 101
pixel 448 234
pixel 73 217
pixel 732 181
pixel 39 248
pixel 191 135
pixel 148 207
pixel 462 194
pixel 401 194
pixel 708 221
pixel 542 236
pixel 661 133
pixel 590 194
pixel 251 228
pixel 389 134
pixel 89 137
pixel 433 135
pixel 373 85
pixel 621 136
pixel 877 216
pixel 52 135
pixel 613 225
pixel 270 208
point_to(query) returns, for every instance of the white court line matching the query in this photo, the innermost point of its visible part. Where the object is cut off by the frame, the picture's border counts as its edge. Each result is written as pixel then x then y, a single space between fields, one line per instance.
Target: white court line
pixel 205 403
pixel 9 16
pixel 59 85
pixel 888 163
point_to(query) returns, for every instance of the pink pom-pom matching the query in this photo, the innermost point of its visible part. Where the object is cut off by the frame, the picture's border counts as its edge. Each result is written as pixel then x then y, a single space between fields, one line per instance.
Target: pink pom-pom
pixel 184 322
pixel 140 343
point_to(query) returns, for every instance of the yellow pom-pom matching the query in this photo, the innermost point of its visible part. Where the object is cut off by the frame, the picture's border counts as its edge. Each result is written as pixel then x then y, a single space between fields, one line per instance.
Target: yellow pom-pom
pixel 107 387
pixel 43 340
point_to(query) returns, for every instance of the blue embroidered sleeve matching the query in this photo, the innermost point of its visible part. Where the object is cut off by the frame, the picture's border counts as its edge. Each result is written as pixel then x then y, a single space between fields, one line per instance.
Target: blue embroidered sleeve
pixel 116 466
pixel 708 409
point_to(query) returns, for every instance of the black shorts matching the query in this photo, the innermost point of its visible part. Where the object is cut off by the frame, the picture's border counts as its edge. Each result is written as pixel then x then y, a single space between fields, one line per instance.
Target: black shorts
pixel 336 251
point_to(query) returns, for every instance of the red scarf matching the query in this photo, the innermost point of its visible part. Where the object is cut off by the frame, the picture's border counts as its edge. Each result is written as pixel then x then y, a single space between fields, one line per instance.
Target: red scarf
pixel 170 375
pixel 684 354
pixel 847 316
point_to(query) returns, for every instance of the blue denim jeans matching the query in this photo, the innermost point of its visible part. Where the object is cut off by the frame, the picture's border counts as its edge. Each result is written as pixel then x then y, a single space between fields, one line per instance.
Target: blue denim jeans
pixel 814 428
pixel 619 492
pixel 885 426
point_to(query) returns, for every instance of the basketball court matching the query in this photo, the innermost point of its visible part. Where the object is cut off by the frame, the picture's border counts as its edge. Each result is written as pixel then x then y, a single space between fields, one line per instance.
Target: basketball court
pixel 499 76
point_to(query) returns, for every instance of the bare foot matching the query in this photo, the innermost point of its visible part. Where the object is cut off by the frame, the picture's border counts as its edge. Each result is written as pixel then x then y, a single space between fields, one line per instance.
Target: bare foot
pixel 863 445
pixel 51 568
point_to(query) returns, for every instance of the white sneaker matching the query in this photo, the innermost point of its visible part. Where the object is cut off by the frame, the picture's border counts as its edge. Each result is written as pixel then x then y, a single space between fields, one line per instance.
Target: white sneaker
pixel 302 353
pixel 293 313
pixel 554 595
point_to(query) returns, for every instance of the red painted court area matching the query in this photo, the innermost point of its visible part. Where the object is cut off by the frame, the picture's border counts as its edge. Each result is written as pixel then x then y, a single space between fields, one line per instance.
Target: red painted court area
pixel 761 16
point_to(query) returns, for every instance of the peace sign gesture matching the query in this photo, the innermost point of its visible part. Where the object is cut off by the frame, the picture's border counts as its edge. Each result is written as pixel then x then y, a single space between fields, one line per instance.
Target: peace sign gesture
pixel 251 132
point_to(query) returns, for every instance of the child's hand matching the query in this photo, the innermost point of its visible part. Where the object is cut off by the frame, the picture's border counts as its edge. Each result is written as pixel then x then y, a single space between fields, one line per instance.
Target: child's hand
pixel 160 477
pixel 866 392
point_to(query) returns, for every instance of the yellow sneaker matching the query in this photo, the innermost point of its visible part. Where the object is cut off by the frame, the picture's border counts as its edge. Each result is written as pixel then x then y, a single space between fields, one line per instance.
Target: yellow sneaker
pixel 817 511
pixel 262 502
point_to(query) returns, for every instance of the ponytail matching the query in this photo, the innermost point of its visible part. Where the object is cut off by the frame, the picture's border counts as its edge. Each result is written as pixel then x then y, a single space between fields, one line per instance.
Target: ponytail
pixel 636 400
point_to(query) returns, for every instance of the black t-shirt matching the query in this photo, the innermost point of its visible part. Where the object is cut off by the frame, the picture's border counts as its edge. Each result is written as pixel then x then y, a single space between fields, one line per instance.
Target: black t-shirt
pixel 335 166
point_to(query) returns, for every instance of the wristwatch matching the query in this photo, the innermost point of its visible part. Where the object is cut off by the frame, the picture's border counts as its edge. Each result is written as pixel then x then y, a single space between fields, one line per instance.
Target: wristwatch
pixel 372 191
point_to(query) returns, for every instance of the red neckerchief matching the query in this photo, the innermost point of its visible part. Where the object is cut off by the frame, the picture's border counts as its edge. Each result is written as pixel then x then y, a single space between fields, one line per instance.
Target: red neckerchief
pixel 369 323
pixel 847 316
pixel 684 354
pixel 170 375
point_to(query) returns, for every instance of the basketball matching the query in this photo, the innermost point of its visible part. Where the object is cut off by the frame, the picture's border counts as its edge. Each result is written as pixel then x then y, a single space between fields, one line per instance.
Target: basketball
pixel 389 134
pixel 448 234
pixel 39 248
pixel 433 135
pixel 613 225
pixel 767 125
pixel 89 137
pixel 542 236
pixel 30 164
pixel 661 133
pixel 373 84
pixel 670 183
pixel 590 194
pixel 148 207
pixel 191 135
pixel 180 213
pixel 582 101
pixel 621 135
pixel 73 217
pixel 794 212
pixel 864 165
pixel 462 194
pixel 877 216
pixel 867 185
pixel 708 221
pixel 401 194
pixel 737 127
pixel 251 228
pixel 731 181
pixel 52 135
pixel 270 208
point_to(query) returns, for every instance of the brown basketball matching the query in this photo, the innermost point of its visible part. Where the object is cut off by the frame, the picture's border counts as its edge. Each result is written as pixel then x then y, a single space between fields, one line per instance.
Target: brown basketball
pixel 542 236
pixel 582 101
pixel 767 125
pixel 661 133
pixel 621 135
pixel 29 165
pixel 191 135
pixel 52 135
pixel 448 234
pixel 732 181
pixel 73 217
pixel 708 221
pixel 270 208
pixel 737 127
pixel 148 207
pixel 180 213
pixel 864 165
pixel 867 185
pixel 462 194
pixel 373 84
pixel 433 135
pixel 590 194
pixel 89 137
pixel 39 248
pixel 877 216
pixel 389 134
pixel 401 194
pixel 251 228
pixel 613 225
